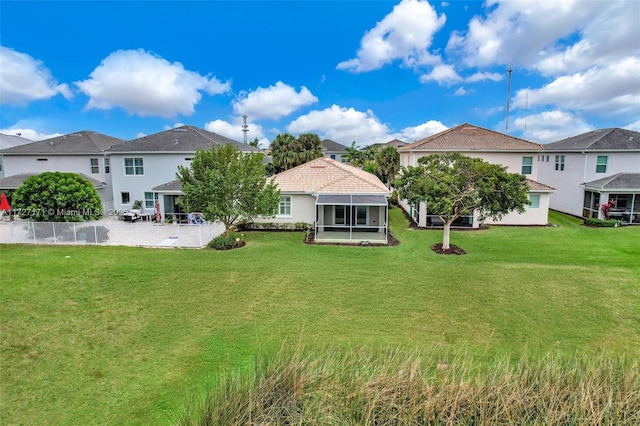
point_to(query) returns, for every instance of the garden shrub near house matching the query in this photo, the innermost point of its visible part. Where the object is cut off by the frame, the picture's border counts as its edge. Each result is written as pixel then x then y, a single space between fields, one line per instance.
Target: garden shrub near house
pixel 57 197
pixel 224 242
pixel 602 223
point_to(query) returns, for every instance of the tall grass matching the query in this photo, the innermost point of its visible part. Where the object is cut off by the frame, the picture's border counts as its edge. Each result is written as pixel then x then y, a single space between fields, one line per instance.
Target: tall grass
pixel 413 388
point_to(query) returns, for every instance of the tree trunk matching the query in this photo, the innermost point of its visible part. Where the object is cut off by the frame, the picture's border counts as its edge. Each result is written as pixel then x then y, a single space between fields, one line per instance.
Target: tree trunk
pixel 446 236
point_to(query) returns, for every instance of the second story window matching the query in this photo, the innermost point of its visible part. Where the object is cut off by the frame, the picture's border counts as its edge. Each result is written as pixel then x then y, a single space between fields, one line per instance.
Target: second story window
pixel 107 165
pixel 601 164
pixel 560 162
pixel 94 165
pixel 527 165
pixel 133 166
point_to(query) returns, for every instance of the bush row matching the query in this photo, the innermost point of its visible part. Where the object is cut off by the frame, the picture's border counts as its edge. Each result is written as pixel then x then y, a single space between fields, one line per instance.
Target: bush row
pixel 274 226
pixel 602 223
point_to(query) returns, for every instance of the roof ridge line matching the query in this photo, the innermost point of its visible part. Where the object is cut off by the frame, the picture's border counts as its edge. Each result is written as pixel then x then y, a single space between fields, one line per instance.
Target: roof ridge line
pixel 609 130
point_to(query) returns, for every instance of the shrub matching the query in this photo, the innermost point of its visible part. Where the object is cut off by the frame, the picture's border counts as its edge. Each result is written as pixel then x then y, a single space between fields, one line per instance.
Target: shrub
pixel 601 223
pixel 222 242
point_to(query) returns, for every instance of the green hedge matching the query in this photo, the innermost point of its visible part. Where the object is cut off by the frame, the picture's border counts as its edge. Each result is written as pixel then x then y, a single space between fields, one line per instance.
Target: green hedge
pixel 600 223
pixel 273 226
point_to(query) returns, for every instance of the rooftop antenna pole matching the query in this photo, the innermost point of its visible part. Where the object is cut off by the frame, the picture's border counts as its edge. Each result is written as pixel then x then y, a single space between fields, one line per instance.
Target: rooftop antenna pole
pixel 509 71
pixel 245 127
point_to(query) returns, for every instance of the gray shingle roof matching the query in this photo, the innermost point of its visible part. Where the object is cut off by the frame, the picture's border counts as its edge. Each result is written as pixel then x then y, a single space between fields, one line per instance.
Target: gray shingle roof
pixel 83 142
pixel 331 146
pixel 467 137
pixel 9 141
pixel 187 139
pixel 173 186
pixel 395 142
pixel 620 181
pixel 603 139
pixel 13 182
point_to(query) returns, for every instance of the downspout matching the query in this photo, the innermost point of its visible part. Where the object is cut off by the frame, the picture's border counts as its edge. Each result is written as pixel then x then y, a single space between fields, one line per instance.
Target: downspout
pixel 584 174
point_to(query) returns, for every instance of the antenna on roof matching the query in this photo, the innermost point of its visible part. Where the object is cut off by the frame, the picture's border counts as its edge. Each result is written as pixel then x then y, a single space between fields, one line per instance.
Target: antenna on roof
pixel 245 127
pixel 509 71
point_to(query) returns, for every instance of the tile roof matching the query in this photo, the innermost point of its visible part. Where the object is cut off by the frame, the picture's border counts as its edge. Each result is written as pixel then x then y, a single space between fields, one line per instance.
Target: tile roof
pixel 467 137
pixel 83 142
pixel 13 182
pixel 9 141
pixel 395 142
pixel 326 176
pixel 620 181
pixel 603 139
pixel 173 186
pixel 537 186
pixel 329 145
pixel 186 139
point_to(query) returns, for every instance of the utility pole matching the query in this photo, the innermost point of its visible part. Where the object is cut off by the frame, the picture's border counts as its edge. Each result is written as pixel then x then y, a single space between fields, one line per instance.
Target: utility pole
pixel 245 127
pixel 509 71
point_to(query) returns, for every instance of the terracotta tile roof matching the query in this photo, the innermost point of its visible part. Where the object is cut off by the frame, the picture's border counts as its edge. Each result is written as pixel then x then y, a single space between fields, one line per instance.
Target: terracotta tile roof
pixel 326 176
pixel 537 186
pixel 467 137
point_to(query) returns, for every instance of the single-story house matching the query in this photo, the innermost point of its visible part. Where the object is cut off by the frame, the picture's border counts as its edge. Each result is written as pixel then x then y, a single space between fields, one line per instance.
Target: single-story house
pixel 342 202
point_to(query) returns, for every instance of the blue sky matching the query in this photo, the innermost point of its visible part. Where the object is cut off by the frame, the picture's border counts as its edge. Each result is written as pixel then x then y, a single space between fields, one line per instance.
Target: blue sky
pixel 363 71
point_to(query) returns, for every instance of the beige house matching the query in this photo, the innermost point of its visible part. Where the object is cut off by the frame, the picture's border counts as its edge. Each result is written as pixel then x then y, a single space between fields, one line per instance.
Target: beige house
pixel 516 154
pixel 342 202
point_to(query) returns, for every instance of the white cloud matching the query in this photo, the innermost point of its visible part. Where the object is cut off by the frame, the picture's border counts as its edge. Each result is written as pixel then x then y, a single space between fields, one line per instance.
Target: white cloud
pixel 145 84
pixel 635 126
pixel 442 74
pixel 30 134
pixel 551 126
pixel 342 125
pixel 481 76
pixel 273 102
pixel 175 126
pixel 406 33
pixel 460 91
pixel 612 89
pixel 551 36
pixel 234 130
pixel 25 79
pixel 431 127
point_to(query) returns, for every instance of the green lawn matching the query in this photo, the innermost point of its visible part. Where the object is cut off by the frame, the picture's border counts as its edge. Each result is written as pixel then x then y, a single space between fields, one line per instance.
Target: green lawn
pixel 115 335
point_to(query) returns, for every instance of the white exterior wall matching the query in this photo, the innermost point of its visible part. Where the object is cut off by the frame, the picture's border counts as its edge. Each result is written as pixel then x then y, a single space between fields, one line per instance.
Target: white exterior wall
pixel 158 169
pixel 303 209
pixel 580 168
pixel 512 160
pixel 531 216
pixel 16 164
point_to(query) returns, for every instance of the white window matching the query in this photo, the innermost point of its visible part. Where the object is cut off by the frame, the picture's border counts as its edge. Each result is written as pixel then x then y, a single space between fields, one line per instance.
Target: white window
pixel 150 199
pixel 285 205
pixel 560 162
pixel 95 168
pixel 534 201
pixel 527 165
pixel 125 197
pixel 344 159
pixel 601 164
pixel 107 165
pixel 133 166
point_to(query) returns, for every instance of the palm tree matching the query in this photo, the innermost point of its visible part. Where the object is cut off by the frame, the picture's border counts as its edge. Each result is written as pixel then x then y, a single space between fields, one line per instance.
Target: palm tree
pixel 284 152
pixel 387 164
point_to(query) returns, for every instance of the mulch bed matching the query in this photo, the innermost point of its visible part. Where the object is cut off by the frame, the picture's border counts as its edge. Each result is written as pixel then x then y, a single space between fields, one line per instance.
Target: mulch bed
pixel 451 250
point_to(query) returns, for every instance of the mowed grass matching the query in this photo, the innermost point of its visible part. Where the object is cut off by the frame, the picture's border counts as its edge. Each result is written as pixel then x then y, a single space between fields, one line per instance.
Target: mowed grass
pixel 115 335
